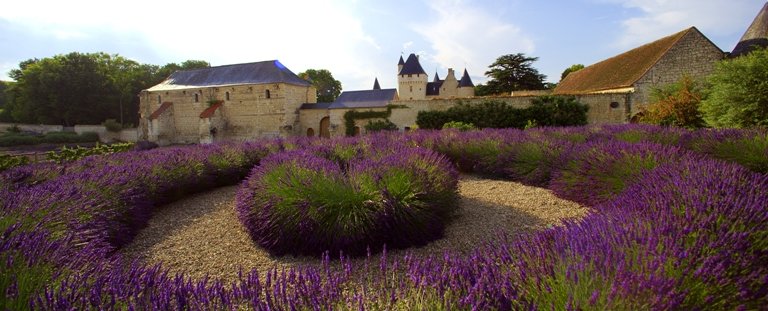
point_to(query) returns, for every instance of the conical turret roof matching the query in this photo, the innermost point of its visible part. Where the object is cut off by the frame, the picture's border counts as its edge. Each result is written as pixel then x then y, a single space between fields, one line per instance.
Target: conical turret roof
pixel 412 66
pixel 755 36
pixel 437 78
pixel 466 80
pixel 376 84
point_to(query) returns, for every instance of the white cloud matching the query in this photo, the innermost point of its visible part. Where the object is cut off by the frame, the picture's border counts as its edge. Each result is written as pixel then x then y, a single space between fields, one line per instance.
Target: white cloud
pixel 303 34
pixel 659 18
pixel 464 35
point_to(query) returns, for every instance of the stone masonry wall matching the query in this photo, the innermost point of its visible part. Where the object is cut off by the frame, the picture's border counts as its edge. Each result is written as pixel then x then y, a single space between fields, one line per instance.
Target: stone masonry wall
pixel 248 111
pixel 693 55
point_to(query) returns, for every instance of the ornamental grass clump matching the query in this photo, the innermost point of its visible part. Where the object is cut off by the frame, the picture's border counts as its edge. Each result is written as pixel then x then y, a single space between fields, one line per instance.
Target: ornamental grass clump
pixel 299 202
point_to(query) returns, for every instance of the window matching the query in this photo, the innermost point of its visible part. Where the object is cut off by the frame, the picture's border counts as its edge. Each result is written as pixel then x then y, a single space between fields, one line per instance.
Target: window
pixel 411 88
pixel 614 105
pixel 266 94
pixel 197 98
pixel 159 99
pixel 226 95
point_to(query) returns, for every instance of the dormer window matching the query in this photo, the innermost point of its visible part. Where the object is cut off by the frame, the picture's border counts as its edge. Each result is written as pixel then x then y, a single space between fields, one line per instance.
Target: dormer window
pixel 267 95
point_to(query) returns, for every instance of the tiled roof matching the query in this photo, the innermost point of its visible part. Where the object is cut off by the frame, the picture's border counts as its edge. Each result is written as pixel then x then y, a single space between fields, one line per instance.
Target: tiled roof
pixel 620 71
pixel 251 73
pixel 358 99
pixel 466 80
pixel 163 107
pixel 412 66
pixel 755 36
pixel 208 112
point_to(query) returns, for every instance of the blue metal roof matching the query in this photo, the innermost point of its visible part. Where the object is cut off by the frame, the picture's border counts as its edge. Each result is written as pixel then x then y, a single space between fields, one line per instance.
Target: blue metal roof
pixel 250 73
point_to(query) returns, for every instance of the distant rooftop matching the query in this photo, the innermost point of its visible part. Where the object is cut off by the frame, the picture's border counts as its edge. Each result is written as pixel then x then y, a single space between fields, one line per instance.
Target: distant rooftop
pixel 756 35
pixel 412 66
pixel 250 73
pixel 358 99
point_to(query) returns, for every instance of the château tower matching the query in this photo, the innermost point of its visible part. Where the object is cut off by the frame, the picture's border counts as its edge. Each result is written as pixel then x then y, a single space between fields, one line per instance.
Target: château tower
pixel 411 79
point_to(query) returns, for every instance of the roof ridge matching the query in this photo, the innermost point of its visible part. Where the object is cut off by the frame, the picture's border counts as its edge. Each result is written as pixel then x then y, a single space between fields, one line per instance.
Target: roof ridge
pixel 681 34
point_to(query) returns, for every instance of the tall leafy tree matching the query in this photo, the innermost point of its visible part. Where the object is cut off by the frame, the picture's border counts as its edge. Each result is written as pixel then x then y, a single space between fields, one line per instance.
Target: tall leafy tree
pixel 163 72
pixel 514 72
pixel 573 68
pixel 739 92
pixel 328 88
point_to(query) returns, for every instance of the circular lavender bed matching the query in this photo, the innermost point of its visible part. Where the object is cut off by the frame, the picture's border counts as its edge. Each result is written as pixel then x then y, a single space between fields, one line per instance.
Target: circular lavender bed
pixel 348 199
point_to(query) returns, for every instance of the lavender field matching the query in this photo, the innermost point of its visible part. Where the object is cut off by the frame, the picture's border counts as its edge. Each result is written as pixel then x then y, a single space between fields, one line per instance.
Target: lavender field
pixel 679 221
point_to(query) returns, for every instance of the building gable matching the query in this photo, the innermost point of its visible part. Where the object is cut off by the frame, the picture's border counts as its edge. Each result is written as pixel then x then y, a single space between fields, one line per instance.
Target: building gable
pixel 620 71
pixel 238 74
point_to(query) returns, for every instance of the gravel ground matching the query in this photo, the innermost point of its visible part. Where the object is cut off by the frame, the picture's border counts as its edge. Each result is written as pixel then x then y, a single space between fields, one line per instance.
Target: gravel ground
pixel 201 235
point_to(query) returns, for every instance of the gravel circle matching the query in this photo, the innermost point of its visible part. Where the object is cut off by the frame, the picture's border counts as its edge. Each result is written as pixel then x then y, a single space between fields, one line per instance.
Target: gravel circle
pixel 201 235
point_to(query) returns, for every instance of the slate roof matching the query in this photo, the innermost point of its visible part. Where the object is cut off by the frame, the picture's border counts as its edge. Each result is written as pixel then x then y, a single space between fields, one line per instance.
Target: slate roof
pixel 208 112
pixel 163 107
pixel 437 78
pixel 620 71
pixel 755 36
pixel 433 88
pixel 401 62
pixel 376 85
pixel 271 71
pixel 358 99
pixel 466 80
pixel 412 66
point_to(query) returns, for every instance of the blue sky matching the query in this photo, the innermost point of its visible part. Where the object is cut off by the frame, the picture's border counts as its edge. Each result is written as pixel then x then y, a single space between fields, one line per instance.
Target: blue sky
pixel 359 40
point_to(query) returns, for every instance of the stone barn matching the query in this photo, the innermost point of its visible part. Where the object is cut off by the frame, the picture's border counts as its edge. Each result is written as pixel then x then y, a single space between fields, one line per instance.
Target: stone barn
pixel 631 76
pixel 232 102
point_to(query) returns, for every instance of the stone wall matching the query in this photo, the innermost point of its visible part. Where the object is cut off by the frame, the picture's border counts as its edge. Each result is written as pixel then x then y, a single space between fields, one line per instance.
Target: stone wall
pixel 247 112
pixel 311 118
pixel 412 87
pixel 693 55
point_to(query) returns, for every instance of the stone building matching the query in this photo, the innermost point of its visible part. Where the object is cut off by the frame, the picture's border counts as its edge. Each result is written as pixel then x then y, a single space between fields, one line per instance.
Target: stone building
pixel 629 77
pixel 232 102
pixel 413 85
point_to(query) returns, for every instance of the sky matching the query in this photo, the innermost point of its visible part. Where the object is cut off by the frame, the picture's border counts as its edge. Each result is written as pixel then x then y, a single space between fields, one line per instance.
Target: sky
pixel 359 40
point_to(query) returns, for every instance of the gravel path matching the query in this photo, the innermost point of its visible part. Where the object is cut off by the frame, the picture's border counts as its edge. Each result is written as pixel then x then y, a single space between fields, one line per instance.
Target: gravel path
pixel 201 235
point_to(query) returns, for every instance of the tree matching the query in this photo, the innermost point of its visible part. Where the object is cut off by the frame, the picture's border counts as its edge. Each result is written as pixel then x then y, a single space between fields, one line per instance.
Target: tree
pixel 163 72
pixel 514 72
pixel 328 88
pixel 676 104
pixel 738 95
pixel 573 68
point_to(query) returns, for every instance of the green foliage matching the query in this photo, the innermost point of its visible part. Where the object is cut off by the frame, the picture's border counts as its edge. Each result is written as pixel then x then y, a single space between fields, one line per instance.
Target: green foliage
pixel 676 104
pixel 352 115
pixel 573 68
pixel 513 72
pixel 112 125
pixel 751 152
pixel 380 125
pixel 8 161
pixel 17 139
pixel 739 92
pixel 461 126
pixel 544 111
pixel 81 88
pixel 328 88
pixel 557 111
pixel 77 153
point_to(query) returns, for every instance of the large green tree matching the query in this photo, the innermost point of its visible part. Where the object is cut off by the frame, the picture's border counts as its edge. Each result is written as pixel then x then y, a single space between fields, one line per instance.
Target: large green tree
pixel 328 88
pixel 573 68
pixel 739 92
pixel 79 88
pixel 513 72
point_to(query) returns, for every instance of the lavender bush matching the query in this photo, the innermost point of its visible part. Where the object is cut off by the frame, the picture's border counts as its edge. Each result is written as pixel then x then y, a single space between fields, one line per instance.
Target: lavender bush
pixel 673 228
pixel 299 202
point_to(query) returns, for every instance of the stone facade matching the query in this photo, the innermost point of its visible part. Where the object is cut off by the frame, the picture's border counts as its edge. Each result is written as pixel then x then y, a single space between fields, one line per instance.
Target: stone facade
pixel 693 55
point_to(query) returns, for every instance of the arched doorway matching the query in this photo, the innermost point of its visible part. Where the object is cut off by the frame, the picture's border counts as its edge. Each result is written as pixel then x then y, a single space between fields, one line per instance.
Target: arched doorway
pixel 325 124
pixel 310 132
pixel 357 131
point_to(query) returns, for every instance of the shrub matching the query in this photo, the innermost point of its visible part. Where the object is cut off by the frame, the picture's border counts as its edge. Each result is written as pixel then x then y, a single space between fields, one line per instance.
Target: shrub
pixel 298 202
pixel 557 111
pixel 112 125
pixel 738 96
pixel 676 104
pixel 748 148
pixel 380 125
pixel 9 161
pixel 461 126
